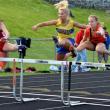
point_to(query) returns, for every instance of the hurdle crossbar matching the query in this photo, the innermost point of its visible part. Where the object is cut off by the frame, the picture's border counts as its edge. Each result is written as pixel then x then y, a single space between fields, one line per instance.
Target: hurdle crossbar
pixel 41 61
pixel 36 61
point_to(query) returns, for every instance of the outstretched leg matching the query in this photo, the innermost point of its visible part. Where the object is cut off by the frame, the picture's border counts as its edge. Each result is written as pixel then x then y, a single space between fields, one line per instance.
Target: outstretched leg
pixel 21 46
pixel 67 43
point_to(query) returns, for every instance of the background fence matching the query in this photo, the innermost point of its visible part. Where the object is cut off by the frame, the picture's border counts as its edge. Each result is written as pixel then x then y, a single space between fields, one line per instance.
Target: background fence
pixel 97 4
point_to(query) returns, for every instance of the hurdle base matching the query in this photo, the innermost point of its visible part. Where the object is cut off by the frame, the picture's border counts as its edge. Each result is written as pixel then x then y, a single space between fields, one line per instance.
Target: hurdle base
pixel 73 103
pixel 29 99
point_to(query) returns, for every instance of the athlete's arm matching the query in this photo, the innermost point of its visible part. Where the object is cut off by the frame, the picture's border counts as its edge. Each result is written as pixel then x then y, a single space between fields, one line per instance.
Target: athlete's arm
pixel 86 36
pixel 101 31
pixel 78 25
pixel 43 24
pixel 5 30
pixel 84 39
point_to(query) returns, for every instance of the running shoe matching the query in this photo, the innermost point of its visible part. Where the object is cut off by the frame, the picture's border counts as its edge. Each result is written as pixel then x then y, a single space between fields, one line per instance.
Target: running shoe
pixel 74 54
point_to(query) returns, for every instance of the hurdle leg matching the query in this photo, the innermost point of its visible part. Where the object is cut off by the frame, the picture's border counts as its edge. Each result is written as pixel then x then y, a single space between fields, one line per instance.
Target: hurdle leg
pixel 68 102
pixel 22 99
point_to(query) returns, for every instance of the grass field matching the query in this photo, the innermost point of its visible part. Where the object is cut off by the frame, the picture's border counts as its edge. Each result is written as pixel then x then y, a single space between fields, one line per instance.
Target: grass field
pixel 21 15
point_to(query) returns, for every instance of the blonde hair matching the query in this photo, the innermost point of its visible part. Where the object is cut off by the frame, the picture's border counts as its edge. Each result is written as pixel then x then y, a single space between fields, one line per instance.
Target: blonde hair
pixel 62 5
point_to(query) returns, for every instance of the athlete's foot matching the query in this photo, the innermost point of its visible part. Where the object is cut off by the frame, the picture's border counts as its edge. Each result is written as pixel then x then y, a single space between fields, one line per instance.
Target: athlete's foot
pixel 74 54
pixel 73 51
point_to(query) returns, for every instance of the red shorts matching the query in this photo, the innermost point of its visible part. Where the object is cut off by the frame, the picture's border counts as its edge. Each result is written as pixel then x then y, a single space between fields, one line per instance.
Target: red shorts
pixel 1 45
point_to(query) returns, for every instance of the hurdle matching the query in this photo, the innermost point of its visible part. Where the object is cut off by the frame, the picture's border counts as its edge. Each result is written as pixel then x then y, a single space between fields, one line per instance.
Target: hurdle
pixel 34 61
pixel 40 61
pixel 62 63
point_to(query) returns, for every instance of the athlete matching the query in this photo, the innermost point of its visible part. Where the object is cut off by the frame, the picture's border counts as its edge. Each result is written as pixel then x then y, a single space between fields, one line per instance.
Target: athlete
pixel 107 43
pixel 94 37
pixel 6 46
pixel 65 28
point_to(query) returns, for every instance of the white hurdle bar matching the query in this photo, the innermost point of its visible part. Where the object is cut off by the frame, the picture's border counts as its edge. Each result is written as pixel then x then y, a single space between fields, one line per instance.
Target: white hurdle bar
pixel 35 61
pixel 41 61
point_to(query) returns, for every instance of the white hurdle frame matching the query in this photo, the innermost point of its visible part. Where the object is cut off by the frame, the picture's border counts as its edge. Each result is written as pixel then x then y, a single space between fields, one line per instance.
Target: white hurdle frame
pixel 35 61
pixel 62 63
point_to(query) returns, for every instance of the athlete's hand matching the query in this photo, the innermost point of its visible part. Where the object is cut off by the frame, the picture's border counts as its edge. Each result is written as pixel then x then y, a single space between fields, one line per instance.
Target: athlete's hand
pixel 35 27
pixel 98 33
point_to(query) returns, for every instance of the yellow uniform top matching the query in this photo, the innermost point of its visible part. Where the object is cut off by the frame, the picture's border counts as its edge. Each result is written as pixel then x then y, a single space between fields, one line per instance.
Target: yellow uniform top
pixel 64 31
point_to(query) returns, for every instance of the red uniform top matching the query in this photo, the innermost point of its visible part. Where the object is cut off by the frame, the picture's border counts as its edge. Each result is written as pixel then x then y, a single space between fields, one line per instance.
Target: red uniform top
pixel 94 38
pixel 79 36
pixel 1 42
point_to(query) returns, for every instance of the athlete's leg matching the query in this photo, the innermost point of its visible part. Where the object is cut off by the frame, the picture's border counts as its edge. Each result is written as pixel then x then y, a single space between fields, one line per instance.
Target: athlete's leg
pixel 66 43
pixel 60 57
pixel 100 57
pixel 21 46
pixel 105 58
pixel 8 47
pixel 83 55
pixel 101 48
pixel 67 55
pixel 85 45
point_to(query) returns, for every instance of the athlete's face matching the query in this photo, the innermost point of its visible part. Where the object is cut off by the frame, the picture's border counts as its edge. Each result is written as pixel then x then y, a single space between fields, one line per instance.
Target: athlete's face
pixel 92 22
pixel 62 14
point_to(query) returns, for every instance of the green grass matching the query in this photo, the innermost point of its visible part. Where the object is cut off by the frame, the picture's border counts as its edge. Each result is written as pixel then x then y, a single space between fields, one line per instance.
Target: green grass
pixel 21 15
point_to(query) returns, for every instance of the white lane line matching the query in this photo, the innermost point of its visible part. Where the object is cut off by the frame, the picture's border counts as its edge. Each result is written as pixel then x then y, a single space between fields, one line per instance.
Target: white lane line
pixel 52 108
